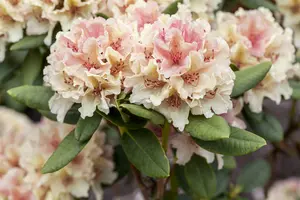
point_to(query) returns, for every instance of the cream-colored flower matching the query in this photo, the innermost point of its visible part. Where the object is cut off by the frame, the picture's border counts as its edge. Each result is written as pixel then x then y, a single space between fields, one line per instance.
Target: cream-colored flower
pixel 202 9
pixel 288 189
pixel 186 147
pixel 254 37
pixel 291 11
pixel 232 115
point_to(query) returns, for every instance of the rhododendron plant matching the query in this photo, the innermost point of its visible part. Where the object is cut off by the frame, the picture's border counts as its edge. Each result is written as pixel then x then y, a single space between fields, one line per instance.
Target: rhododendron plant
pixel 169 90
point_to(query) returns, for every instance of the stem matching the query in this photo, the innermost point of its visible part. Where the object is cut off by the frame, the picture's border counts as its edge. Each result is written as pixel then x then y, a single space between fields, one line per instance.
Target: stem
pixel 160 189
pixel 165 135
pixel 139 180
pixel 174 184
pixel 160 186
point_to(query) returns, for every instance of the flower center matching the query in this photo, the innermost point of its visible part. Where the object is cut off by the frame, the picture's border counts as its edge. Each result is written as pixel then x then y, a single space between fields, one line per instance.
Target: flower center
pixel 191 78
pixel 211 94
pixel 117 67
pixel 174 101
pixel 116 45
pixel 150 83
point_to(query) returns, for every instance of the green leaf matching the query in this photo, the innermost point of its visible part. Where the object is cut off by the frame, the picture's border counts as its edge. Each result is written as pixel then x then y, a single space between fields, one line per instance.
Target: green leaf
pixel 29 42
pixel 114 117
pixel 71 117
pixel 254 175
pixel 296 89
pixel 200 177
pixel 102 15
pixel 31 66
pixel 239 143
pixel 140 111
pixel 122 165
pixel 222 182
pixel 6 71
pixel 85 128
pixel 67 150
pixel 248 78
pixel 15 81
pixel 264 125
pixel 254 4
pixel 144 151
pixel 181 179
pixel 35 97
pixel 172 8
pixel 229 162
pixel 207 129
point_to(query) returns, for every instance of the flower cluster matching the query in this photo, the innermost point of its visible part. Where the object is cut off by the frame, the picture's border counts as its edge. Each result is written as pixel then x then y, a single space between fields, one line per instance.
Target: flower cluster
pixel 255 37
pixel 286 189
pixel 172 64
pixel 25 147
pixel 291 11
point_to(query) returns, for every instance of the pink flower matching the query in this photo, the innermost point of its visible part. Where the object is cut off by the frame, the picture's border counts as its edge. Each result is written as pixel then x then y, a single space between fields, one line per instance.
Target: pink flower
pixel 174 43
pixel 13 187
pixel 143 12
pixel 257 29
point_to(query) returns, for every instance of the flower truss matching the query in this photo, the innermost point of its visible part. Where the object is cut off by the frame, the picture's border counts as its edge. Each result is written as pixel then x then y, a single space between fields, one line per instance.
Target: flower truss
pixel 24 148
pixel 167 63
pixel 254 37
pixel 285 189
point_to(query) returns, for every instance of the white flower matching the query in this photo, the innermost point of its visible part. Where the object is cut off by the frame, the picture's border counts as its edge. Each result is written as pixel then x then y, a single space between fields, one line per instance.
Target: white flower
pixel 291 11
pixel 288 189
pixel 255 37
pixel 186 147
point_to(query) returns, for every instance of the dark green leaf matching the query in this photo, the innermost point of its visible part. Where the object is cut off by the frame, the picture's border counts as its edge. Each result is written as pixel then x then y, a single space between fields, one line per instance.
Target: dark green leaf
pixel 35 97
pixel 172 8
pixel 181 179
pixel 67 150
pixel 85 128
pixel 264 125
pixel 207 129
pixel 200 177
pixel 140 111
pixel 254 4
pixel 254 175
pixel 71 117
pixel 145 152
pixel 114 117
pixel 222 182
pixel 240 142
pixel 102 15
pixel 229 162
pixel 6 71
pixel 122 164
pixel 234 67
pixel 296 89
pixel 248 78
pixel 28 42
pixel 32 66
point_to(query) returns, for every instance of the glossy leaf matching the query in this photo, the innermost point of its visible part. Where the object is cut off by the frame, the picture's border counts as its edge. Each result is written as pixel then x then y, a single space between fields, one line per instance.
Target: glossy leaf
pixel 85 128
pixel 248 78
pixel 254 175
pixel 67 150
pixel 32 66
pixel 264 125
pixel 144 151
pixel 240 142
pixel 29 42
pixel 35 97
pixel 207 129
pixel 200 177
pixel 141 111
